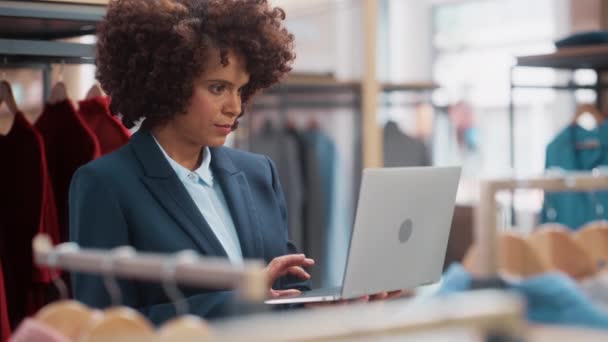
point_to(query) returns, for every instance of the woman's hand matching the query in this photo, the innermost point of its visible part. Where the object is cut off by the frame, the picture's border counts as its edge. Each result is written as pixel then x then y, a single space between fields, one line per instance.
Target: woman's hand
pixel 287 264
pixel 375 297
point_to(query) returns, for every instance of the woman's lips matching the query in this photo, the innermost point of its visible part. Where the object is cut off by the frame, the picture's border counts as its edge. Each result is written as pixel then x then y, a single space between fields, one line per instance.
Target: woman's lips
pixel 224 129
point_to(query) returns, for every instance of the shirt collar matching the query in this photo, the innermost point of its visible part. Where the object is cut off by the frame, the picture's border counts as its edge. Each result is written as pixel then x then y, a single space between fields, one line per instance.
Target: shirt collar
pixel 203 172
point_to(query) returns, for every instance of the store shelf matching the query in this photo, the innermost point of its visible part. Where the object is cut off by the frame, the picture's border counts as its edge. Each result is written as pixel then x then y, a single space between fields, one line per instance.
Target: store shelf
pixel 25 51
pixel 47 20
pixel 585 57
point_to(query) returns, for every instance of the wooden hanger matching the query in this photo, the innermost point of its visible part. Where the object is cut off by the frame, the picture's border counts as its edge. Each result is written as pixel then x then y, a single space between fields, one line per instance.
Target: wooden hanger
pixel 118 322
pixel 516 257
pixel 95 91
pixel 58 93
pixel 593 238
pixel 7 97
pixel 68 317
pixel 559 251
pixel 186 328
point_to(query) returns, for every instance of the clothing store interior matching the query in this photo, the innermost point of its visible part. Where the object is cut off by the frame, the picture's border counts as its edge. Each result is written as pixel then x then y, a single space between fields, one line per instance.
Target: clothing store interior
pixel 441 162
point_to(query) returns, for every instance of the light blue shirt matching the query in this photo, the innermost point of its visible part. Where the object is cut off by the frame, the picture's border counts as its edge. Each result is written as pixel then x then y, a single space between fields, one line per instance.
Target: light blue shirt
pixel 209 198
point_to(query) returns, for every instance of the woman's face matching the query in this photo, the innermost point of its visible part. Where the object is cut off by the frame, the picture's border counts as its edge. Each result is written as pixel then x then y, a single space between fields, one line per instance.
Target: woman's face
pixel 215 103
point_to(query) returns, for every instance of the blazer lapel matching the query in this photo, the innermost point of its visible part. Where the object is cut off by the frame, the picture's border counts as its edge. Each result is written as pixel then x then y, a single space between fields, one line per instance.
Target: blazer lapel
pixel 166 187
pixel 240 202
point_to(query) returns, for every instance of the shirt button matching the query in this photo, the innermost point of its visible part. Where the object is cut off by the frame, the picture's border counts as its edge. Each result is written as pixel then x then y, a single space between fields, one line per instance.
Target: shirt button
pixel 192 176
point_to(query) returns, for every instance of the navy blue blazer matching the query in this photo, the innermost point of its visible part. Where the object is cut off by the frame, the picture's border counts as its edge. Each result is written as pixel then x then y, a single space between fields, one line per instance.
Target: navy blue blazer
pixel 133 197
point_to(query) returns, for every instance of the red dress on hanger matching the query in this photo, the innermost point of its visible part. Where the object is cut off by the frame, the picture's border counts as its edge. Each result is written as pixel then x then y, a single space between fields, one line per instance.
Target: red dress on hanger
pixel 5 327
pixel 25 210
pixel 109 131
pixel 69 144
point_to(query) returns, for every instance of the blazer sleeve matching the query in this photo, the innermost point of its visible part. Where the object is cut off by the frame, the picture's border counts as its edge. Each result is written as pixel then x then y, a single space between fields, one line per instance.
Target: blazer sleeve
pixel 286 282
pixel 97 220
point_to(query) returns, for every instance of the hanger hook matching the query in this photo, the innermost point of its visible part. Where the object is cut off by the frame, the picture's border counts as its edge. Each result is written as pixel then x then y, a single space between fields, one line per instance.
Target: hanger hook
pixel 3 75
pixel 170 282
pixel 61 70
pixel 52 265
pixel 108 265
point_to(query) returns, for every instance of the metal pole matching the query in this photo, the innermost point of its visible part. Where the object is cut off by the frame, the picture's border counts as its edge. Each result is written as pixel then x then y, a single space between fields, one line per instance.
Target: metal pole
pixel 46 82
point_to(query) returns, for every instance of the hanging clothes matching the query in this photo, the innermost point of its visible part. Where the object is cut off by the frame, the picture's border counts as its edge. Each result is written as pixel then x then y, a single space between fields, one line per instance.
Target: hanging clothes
pixel 24 212
pixel 402 150
pixel 109 131
pixel 69 145
pixel 551 298
pixel 283 149
pixel 5 326
pixel 321 166
pixel 574 209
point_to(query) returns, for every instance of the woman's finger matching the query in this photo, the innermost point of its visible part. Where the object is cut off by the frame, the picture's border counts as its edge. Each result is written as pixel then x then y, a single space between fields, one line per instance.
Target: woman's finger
pixel 284 293
pixel 298 272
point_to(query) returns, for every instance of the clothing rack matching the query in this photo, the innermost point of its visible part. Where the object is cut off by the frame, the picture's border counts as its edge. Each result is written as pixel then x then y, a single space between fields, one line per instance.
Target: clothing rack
pixel 570 59
pixel 486 227
pixel 487 312
pixel 187 269
pixel 29 31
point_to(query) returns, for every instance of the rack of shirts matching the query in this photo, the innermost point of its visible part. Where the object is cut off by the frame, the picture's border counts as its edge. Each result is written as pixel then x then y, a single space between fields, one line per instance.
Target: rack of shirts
pixel 311 127
pixel 43 154
pixel 561 274
pixel 68 320
pixel 567 58
pixel 582 146
pixel 486 230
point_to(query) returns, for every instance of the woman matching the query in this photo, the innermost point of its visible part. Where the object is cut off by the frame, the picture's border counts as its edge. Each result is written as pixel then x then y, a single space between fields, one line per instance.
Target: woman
pixel 186 67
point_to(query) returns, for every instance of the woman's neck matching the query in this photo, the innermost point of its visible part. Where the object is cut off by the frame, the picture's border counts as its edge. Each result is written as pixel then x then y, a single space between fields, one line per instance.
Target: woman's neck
pixel 182 151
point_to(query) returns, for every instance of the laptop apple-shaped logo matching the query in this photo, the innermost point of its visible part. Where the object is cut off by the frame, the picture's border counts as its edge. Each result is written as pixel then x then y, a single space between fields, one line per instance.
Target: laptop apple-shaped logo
pixel 405 231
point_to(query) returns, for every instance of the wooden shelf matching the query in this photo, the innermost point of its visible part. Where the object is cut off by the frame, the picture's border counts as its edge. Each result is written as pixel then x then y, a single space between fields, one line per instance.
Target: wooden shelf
pixel 585 57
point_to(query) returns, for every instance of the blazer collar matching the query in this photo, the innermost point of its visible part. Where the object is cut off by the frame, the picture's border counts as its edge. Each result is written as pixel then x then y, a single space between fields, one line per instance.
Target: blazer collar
pixel 162 181
pixel 150 156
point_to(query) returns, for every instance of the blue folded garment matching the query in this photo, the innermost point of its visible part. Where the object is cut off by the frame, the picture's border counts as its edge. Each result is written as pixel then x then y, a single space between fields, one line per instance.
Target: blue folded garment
pixel 583 39
pixel 551 298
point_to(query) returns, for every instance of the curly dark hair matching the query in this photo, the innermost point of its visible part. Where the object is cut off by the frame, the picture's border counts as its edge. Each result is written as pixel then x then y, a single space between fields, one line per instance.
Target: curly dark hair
pixel 150 51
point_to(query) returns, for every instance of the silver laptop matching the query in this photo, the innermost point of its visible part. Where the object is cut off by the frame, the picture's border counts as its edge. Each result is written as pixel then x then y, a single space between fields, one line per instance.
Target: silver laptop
pixel 400 234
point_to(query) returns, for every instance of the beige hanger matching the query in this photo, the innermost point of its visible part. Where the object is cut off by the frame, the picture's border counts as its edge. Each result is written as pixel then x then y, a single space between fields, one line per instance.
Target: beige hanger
pixel 7 97
pixel 59 92
pixel 593 238
pixel 117 322
pixel 516 257
pixel 95 91
pixel 559 251
pixel 185 327
pixel 68 317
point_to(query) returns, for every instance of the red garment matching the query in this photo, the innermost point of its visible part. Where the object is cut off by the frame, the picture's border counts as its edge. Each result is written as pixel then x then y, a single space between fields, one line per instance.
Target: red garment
pixel 69 144
pixel 23 182
pixel 109 131
pixel 5 327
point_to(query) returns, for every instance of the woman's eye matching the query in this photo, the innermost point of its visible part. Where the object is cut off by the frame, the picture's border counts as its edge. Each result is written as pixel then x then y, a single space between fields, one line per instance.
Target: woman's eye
pixel 217 88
